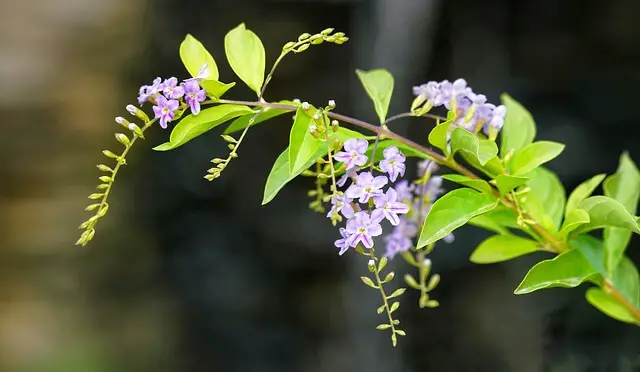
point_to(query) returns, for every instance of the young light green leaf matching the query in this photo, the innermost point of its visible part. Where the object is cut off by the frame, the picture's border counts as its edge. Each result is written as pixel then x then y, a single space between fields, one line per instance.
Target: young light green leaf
pixel 606 212
pixel 576 218
pixel 519 128
pixel 302 144
pixel 623 186
pixel 379 86
pixel 492 168
pixel 568 270
pixel 453 210
pixel 438 135
pixel 194 125
pixel 583 191
pixel 195 56
pixel 478 184
pixel 216 88
pixel 246 56
pixel 280 175
pixel 485 222
pixel 268 113
pixel 500 248
pixel 545 201
pixel 506 183
pixel 533 155
pixel 608 305
pixel 482 150
pixel 627 281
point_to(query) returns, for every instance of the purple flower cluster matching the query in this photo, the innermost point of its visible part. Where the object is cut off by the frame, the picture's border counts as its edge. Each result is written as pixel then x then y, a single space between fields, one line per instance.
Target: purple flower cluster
pixel 366 192
pixel 472 110
pixel 168 96
pixel 421 197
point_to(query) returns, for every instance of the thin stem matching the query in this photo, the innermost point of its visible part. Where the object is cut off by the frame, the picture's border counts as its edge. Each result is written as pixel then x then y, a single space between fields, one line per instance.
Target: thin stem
pixel 379 283
pixel 557 245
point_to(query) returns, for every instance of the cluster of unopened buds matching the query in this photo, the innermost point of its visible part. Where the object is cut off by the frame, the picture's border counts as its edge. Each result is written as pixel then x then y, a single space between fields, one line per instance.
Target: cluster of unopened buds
pixel 472 110
pixel 168 96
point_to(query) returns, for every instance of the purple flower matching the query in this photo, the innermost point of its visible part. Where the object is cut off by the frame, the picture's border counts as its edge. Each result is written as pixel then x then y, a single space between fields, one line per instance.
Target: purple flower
pixel 342 243
pixel 393 163
pixel 498 117
pixel 400 239
pixel 404 190
pixel 143 96
pixel 350 173
pixel 353 154
pixel 156 87
pixel 366 186
pixel 165 110
pixel 172 90
pixel 389 207
pixel 427 166
pixel 341 203
pixel 193 95
pixel 361 229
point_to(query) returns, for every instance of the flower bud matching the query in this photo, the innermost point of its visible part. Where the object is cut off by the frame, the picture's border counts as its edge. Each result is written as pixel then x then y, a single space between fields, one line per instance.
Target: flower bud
pixel 122 121
pixel 123 139
pixel 288 45
pixel 371 265
pixel 136 130
pixel 304 36
pixel 305 105
pixel 138 113
pixel 327 31
pixel 332 103
pixel 296 101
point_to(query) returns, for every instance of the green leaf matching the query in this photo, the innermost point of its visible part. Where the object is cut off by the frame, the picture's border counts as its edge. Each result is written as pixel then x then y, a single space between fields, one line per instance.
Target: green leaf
pixel 485 222
pixel 194 125
pixel 302 144
pixel 246 56
pixel 623 186
pixel 478 184
pixel 606 212
pixel 194 56
pixel 492 168
pixel 533 155
pixel 576 218
pixel 545 201
pixel 568 269
pixel 583 191
pixel 506 183
pixel 608 305
pixel 482 150
pixel 627 281
pixel 504 217
pixel 379 86
pixel 438 135
pixel 453 210
pixel 242 122
pixel 406 150
pixel 519 128
pixel 500 248
pixel 215 88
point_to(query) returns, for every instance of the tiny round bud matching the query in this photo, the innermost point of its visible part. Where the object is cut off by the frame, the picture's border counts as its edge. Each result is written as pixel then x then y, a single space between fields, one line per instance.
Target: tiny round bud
pixel 334 123
pixel 296 101
pixel 372 265
pixel 132 109
pixel 122 121
pixel 316 116
pixel 332 103
pixel 313 129
pixel 288 45
pixel 304 36
pixel 327 31
pixel 305 105
pixel 426 262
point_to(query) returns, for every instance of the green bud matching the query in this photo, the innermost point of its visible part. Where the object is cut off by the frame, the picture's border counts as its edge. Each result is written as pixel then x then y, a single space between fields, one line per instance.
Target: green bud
pixel 317 41
pixel 400 332
pixel 95 196
pixel 327 31
pixel 304 36
pixel 228 138
pixel 123 139
pixel 105 179
pixel 330 39
pixel 288 45
pixel 233 155
pixel 122 121
pixel 231 146
pixel 92 207
pixel 138 113
pixel 136 130
pixel 104 168
pixel 341 40
pixel 394 306
pixel 382 264
pixel 432 303
pixel 380 309
pixel 102 186
pixel 308 173
pixel 389 277
pixel 221 166
pixel 395 322
pixel 312 193
pixel 382 327
pixel 217 160
pixel 103 211
pixel 301 48
pixel 394 340
pixel 109 154
pixel 338 35
pixel 411 282
pixel 433 282
pixel 422 302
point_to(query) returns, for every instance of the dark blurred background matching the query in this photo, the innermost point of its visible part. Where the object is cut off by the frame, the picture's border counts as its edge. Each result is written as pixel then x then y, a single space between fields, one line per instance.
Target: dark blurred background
pixel 187 275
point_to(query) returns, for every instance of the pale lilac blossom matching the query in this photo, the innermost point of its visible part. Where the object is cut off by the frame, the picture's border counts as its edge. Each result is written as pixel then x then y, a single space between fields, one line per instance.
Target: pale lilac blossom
pixel 165 110
pixel 353 154
pixel 341 204
pixel 393 163
pixel 389 207
pixel 362 229
pixel 366 186
pixel 193 95
pixel 342 243
pixel 172 90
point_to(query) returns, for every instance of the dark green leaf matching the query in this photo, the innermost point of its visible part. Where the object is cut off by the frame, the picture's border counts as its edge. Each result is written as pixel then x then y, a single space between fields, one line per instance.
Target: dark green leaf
pixel 194 125
pixel 500 248
pixel 302 144
pixel 453 210
pixel 478 184
pixel 519 128
pixel 583 191
pixel 194 56
pixel 623 186
pixel 378 84
pixel 506 183
pixel 533 155
pixel 246 56
pixel 608 305
pixel 242 122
